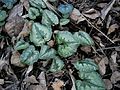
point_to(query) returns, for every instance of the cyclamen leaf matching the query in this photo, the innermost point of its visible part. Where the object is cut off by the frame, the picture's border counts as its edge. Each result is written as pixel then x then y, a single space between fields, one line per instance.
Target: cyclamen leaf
pixel 65 8
pixel 21 45
pixel 49 18
pixel 33 13
pixel 57 65
pixel 90 81
pixel 9 3
pixel 29 56
pixel 46 52
pixel 83 38
pixel 86 65
pixel 64 21
pixel 40 34
pixel 38 3
pixel 3 15
pixel 67 45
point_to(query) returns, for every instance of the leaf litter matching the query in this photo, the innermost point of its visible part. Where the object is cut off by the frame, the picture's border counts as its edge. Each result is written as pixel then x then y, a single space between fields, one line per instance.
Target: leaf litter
pixel 44 43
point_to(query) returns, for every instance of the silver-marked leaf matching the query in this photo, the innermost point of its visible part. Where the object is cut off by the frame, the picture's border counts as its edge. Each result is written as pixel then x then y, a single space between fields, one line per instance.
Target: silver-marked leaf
pixel 49 18
pixel 90 81
pixel 9 3
pixel 86 65
pixel 83 38
pixel 38 3
pixel 3 15
pixel 64 21
pixel 21 45
pixel 67 45
pixel 40 34
pixel 33 13
pixel 46 52
pixel 29 56
pixel 57 65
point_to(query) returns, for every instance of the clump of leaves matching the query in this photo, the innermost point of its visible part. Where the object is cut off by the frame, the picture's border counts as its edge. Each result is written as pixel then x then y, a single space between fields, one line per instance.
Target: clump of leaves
pixel 90 79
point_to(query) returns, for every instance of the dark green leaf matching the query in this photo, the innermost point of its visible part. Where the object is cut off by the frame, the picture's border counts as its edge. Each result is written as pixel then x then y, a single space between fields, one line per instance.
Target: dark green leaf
pixel 57 65
pixel 29 55
pixel 33 13
pixel 40 34
pixel 46 52
pixel 21 45
pixel 83 38
pixel 64 21
pixel 49 18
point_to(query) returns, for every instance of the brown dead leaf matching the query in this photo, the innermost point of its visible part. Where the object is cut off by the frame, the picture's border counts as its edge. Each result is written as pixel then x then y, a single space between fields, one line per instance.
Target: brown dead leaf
pixel 114 56
pixel 2 43
pixel 16 11
pixel 115 77
pixel 26 30
pixel 101 5
pixel 25 4
pixel 108 84
pixel 102 65
pixel 15 59
pixel 106 9
pixel 86 49
pixel 57 84
pixel 92 13
pixel 112 28
pixel 14 26
pixel 76 16
pixel 109 21
pixel 42 80
pixel 31 79
pixel 1 81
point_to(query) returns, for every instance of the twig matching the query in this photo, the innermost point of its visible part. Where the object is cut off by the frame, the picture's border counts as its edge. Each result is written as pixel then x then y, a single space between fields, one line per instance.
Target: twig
pixel 97 29
pixel 108 48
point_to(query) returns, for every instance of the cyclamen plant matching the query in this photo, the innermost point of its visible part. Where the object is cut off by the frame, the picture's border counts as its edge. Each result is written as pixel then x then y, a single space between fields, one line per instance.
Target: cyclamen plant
pixel 66 43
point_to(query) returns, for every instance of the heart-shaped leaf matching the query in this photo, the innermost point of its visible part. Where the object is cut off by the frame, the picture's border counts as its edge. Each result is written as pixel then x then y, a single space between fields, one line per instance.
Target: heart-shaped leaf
pixel 83 38
pixel 57 65
pixel 65 8
pixel 33 13
pixel 90 81
pixel 38 3
pixel 46 52
pixel 29 56
pixel 67 45
pixel 64 21
pixel 21 45
pixel 86 65
pixel 40 34
pixel 49 18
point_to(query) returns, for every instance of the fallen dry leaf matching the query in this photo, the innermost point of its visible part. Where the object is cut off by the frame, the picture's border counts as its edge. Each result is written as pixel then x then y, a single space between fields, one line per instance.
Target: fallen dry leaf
pixel 76 16
pixel 115 77
pixel 14 26
pixel 109 21
pixel 15 59
pixel 31 79
pixel 1 81
pixel 25 4
pixel 108 84
pixel 86 49
pixel 16 11
pixel 106 9
pixel 57 84
pixel 35 87
pixel 92 13
pixel 112 28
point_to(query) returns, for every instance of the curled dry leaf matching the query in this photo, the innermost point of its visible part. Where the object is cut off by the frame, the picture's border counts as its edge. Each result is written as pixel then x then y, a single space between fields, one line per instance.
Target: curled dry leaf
pixel 25 4
pixel 1 81
pixel 76 16
pixel 112 28
pixel 17 10
pixel 115 77
pixel 15 59
pixel 108 84
pixel 35 87
pixel 30 79
pixel 92 13
pixel 57 84
pixel 14 26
